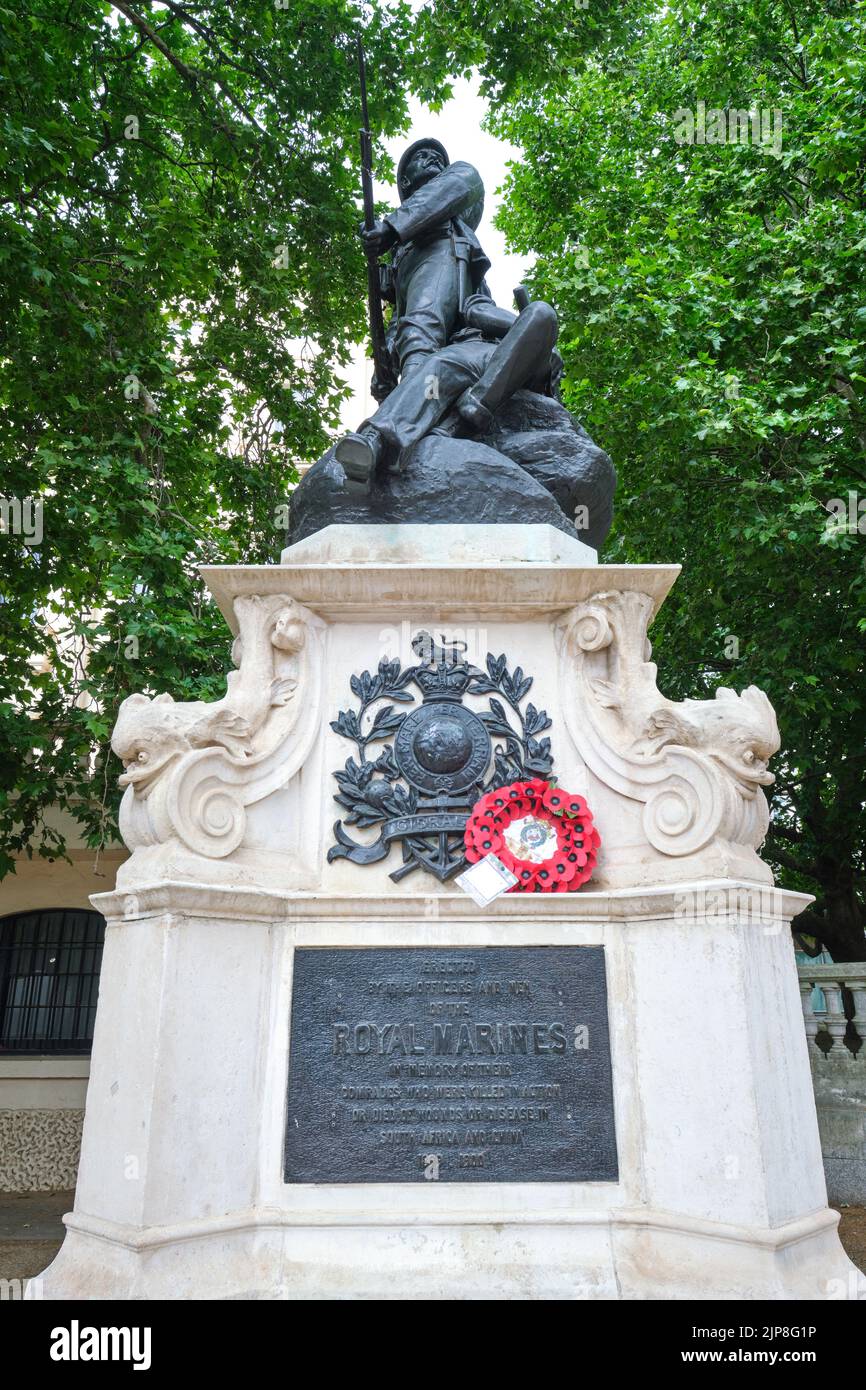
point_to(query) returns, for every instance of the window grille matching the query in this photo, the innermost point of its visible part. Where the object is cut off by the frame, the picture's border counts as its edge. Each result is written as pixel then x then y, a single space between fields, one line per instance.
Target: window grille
pixel 49 981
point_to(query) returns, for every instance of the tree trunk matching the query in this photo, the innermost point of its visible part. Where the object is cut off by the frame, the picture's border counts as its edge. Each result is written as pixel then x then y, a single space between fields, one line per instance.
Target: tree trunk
pixel 840 923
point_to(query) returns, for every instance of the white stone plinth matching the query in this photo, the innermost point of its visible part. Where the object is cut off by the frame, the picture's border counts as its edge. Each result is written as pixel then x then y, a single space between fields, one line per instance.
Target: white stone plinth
pixel 229 811
pixel 720 1195
pixel 457 543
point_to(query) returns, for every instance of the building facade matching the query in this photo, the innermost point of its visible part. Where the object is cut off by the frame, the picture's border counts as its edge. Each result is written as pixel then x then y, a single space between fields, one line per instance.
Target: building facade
pixel 50 956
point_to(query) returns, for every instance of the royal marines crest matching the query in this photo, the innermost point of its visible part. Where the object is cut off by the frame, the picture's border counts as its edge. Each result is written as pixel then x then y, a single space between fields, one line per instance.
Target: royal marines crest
pixel 432 762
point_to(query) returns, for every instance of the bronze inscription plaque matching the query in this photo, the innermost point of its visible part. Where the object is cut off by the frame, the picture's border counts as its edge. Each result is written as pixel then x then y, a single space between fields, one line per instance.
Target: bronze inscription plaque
pixel 431 1064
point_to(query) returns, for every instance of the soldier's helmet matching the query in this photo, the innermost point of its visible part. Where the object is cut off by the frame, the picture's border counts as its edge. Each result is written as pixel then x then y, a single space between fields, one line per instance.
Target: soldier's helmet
pixel 426 144
pixel 472 215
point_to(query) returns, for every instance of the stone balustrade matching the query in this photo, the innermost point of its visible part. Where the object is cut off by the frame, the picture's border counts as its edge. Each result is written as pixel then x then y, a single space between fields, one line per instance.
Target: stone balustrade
pixel 834 1007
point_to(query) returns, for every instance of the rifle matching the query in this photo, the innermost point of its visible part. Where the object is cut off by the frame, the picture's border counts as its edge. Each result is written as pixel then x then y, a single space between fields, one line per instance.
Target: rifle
pixel 384 381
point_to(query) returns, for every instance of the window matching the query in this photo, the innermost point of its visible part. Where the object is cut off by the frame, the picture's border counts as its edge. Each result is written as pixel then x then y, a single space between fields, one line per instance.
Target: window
pixel 49 980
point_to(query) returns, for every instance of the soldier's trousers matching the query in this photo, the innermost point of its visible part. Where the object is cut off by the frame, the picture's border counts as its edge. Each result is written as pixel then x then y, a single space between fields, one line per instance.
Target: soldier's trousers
pixel 428 390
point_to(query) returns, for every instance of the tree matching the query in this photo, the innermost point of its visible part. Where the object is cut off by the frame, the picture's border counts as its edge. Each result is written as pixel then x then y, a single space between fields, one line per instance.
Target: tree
pixel 181 283
pixel 714 335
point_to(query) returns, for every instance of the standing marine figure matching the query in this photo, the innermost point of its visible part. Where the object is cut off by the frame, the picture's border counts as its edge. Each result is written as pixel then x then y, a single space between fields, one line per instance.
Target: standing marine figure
pixel 457 355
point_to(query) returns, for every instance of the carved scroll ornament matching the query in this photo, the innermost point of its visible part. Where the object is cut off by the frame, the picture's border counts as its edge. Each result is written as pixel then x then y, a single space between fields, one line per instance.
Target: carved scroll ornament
pixel 698 766
pixel 191 769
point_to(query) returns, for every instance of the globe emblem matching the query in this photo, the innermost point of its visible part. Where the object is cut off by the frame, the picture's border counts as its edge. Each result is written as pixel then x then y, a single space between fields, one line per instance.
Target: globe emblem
pixel 442 744
pixel 442 747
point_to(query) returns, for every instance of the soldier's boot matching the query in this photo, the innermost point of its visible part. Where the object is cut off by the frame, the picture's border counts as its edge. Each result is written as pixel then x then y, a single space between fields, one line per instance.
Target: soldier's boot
pixel 515 362
pixel 358 454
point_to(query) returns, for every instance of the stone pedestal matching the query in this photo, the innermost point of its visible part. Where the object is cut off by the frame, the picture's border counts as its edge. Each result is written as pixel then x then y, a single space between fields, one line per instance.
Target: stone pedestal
pixel 181 1194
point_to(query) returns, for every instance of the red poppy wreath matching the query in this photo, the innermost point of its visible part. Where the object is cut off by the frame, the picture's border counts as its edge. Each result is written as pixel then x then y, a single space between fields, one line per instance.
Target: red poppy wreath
pixel 543 834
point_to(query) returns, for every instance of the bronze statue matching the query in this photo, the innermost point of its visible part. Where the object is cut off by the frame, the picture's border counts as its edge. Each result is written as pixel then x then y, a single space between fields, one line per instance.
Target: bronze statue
pixel 457 355
pixel 469 427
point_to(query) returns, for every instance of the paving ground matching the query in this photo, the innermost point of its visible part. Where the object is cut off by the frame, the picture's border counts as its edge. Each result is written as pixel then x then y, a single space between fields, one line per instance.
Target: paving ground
pixel 852 1229
pixel 31 1231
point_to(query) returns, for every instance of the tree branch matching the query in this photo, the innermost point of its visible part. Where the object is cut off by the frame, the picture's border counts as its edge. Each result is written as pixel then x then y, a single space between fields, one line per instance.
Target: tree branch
pixel 144 28
pixel 204 31
pixel 192 76
pixel 788 861
pixel 784 832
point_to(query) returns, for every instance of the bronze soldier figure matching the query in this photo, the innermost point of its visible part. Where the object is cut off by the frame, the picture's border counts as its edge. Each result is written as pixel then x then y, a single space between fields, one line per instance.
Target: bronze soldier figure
pixel 457 354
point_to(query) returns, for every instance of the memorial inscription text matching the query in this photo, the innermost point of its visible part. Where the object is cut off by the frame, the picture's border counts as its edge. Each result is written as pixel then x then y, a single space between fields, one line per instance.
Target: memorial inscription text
pixel 431 1064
